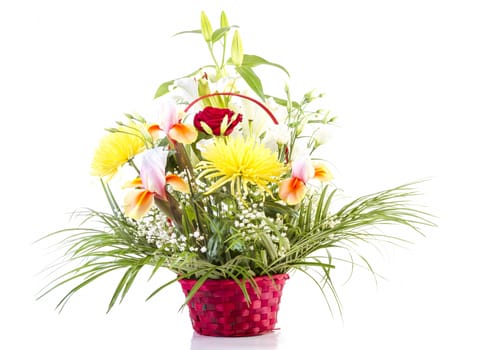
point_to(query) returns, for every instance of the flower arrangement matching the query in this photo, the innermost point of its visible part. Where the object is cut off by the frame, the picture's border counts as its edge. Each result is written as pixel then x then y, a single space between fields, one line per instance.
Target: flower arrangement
pixel 227 183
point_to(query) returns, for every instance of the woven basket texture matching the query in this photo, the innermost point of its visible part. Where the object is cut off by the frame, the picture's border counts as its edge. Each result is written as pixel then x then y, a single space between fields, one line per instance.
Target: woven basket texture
pixel 219 307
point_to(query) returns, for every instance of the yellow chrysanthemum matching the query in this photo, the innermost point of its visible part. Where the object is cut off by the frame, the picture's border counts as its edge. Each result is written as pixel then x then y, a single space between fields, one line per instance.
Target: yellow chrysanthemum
pixel 115 149
pixel 239 162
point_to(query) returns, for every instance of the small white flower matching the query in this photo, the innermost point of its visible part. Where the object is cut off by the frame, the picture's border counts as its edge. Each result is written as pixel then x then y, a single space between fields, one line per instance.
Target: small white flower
pixel 203 249
pixel 322 134
pixel 332 223
pixel 280 134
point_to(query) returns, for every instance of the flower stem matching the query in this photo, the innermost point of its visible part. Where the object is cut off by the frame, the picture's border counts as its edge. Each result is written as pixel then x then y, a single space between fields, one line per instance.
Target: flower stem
pixel 132 164
pixel 217 65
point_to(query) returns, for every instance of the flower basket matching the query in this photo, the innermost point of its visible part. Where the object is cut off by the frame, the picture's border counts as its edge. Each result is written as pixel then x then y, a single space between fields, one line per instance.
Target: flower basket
pixel 219 307
pixel 227 181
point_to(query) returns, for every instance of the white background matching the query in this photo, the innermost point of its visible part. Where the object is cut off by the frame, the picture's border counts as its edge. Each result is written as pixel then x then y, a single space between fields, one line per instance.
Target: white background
pixel 408 80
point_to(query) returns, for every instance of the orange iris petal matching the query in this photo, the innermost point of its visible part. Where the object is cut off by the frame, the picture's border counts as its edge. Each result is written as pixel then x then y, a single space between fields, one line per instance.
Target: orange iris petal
pixel 137 203
pixel 322 173
pixel 292 190
pixel 182 133
pixel 154 131
pixel 137 182
pixel 177 183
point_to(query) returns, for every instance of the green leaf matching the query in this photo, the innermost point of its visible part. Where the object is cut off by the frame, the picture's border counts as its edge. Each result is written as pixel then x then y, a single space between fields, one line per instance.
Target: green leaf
pixel 254 61
pixel 162 287
pixel 220 32
pixel 284 102
pixel 319 207
pixel 328 203
pixel 252 80
pixel 197 286
pixel 121 286
pixel 214 247
pixel 163 88
pixel 195 31
pixel 269 246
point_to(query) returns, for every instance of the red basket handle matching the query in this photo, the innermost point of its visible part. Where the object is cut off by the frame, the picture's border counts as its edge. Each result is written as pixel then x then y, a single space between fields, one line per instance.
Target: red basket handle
pixel 260 104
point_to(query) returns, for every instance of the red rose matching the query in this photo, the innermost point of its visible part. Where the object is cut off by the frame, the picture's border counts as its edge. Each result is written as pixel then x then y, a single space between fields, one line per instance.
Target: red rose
pixel 213 117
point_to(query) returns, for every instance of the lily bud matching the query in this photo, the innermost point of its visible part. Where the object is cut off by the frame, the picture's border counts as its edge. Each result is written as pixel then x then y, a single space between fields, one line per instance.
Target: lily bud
pixel 206 29
pixel 223 20
pixel 237 49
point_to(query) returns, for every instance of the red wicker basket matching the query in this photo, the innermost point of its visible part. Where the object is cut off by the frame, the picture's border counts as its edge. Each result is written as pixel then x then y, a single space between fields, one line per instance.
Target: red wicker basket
pixel 219 307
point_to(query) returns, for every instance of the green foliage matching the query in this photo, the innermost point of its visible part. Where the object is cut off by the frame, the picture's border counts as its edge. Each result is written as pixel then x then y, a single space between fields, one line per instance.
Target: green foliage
pixel 315 232
pixel 243 63
pixel 254 61
pixel 252 80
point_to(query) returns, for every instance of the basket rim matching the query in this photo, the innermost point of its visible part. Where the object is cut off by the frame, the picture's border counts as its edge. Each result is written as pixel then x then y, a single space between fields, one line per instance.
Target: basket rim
pixel 279 276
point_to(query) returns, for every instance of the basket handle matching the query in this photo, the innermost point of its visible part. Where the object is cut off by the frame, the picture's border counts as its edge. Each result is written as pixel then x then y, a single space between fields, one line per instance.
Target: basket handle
pixel 260 104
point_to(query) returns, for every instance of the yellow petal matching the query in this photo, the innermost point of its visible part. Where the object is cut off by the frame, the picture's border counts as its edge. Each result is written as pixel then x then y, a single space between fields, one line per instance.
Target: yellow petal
pixel 182 133
pixel 137 203
pixel 177 183
pixel 322 173
pixel 115 149
pixel 292 191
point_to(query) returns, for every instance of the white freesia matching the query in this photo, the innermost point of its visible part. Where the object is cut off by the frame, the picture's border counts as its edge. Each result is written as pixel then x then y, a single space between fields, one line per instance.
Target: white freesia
pixel 322 134
pixel 277 135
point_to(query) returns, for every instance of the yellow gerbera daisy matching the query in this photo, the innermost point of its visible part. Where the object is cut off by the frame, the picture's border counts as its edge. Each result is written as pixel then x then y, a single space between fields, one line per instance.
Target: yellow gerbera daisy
pixel 239 162
pixel 116 149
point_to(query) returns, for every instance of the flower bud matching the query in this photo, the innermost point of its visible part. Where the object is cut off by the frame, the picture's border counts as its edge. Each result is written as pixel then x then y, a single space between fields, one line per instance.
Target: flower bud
pixel 237 49
pixel 206 29
pixel 223 20
pixel 322 135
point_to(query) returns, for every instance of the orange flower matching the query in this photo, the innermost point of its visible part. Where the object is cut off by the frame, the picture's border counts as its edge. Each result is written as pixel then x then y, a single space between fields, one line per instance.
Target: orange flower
pixel 172 126
pixel 293 190
pixel 151 183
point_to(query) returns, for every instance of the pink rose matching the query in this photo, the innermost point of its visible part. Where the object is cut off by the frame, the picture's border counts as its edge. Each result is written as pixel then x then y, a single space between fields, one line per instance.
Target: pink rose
pixel 213 117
